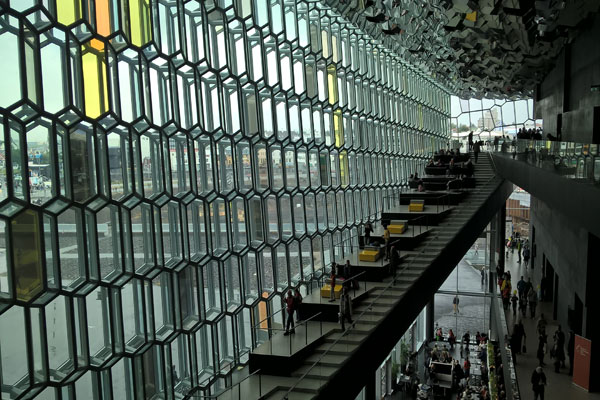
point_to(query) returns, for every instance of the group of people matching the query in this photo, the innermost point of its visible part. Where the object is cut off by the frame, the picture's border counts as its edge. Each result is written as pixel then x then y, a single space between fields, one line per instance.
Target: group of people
pixel 515 242
pixel 292 306
pixel 525 295
pixel 460 374
pixel 530 134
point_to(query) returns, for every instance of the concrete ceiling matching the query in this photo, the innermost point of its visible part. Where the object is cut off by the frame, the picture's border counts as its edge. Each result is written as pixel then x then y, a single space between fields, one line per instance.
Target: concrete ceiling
pixel 479 48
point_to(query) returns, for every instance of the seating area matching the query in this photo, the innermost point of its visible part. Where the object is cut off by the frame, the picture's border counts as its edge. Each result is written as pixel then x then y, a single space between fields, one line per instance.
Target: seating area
pixel 397 227
pixel 416 205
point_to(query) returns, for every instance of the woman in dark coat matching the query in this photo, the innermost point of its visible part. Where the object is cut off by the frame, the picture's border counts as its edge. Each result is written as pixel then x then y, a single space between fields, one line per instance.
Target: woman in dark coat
pixel 541 348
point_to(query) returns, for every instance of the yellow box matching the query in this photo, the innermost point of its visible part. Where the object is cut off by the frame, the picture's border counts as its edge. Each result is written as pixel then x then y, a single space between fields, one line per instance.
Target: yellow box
pixel 397 228
pixel 368 255
pixel 326 291
pixel 412 207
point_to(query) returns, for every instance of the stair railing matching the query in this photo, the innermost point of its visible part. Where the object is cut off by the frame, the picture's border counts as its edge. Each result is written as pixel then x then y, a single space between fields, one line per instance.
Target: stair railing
pixel 361 316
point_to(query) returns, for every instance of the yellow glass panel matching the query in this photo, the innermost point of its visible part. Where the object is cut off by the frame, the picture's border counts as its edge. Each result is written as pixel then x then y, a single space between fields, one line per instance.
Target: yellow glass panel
pixel 139 21
pixel 344 173
pixel 93 61
pixel 68 11
pixel 27 255
pixel 471 16
pixel 338 128
pixel 332 84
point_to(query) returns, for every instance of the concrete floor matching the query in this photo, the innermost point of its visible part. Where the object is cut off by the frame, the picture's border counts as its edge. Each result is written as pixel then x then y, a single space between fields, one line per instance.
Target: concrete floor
pixel 560 386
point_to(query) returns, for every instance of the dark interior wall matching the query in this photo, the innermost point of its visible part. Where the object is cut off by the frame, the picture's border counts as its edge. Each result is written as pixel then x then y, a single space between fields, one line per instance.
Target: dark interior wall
pixel 567 88
pixel 565 245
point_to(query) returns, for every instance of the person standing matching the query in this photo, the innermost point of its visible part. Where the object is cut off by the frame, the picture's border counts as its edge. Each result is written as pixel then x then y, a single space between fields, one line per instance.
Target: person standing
pixel 297 303
pixel 386 238
pixel 571 350
pixel 345 308
pixel 532 300
pixel 522 337
pixel 455 304
pixel 476 150
pixel 368 230
pixel 470 138
pixel 496 141
pixel 483 276
pixel 541 350
pixel 289 303
pixel 559 352
pixel 538 381
pixel 519 247
pixel 332 279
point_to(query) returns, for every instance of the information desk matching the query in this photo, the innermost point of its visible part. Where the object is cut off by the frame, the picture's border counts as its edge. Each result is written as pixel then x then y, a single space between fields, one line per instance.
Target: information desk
pixel 443 371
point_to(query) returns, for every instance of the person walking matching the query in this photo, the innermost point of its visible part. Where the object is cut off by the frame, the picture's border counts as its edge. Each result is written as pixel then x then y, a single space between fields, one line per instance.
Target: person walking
pixel 514 300
pixel 451 339
pixel 345 309
pixel 532 300
pixel 523 305
pixel 297 303
pixel 519 247
pixel 521 286
pixel 496 141
pixel 455 304
pixel 541 324
pixel 483 276
pixel 538 381
pixel 526 255
pixel 289 303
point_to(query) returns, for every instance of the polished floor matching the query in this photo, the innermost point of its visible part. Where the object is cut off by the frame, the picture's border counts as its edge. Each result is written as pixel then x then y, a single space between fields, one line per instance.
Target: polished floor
pixel 560 386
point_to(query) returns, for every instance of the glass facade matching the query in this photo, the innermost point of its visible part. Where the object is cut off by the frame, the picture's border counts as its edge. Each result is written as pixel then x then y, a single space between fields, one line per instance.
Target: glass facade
pixel 168 168
pixel 504 117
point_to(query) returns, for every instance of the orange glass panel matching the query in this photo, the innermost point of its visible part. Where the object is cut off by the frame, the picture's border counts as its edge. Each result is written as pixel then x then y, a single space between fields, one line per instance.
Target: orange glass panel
pixel 102 18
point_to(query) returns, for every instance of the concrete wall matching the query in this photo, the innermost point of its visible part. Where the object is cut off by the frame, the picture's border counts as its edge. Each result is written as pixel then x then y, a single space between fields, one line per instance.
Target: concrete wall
pixel 565 245
pixel 566 88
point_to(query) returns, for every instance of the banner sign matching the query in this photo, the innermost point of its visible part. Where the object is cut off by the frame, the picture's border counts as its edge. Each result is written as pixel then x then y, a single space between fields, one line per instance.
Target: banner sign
pixel 582 362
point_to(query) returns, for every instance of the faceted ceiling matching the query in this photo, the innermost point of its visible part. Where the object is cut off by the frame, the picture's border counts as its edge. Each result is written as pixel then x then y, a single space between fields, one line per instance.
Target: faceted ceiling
pixel 480 48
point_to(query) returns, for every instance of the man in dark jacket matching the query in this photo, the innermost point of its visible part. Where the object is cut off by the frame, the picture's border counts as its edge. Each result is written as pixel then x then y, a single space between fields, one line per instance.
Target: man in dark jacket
pixel 538 381
pixel 289 303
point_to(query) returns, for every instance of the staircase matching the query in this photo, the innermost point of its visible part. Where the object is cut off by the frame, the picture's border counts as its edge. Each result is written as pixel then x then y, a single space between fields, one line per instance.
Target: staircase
pixel 333 362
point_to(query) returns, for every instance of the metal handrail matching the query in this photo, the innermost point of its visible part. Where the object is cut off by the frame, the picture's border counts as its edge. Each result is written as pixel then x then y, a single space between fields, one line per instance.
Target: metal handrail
pixel 216 396
pixel 391 284
pixel 267 318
